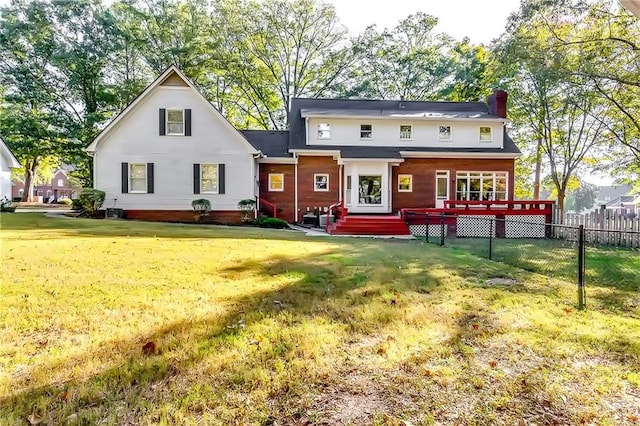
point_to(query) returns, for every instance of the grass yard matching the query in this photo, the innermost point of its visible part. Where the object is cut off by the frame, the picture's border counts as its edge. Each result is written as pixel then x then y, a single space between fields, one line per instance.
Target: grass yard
pixel 117 322
pixel 604 265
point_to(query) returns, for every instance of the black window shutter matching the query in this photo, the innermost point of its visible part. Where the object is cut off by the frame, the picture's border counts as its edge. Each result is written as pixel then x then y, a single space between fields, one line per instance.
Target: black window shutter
pixel 187 122
pixel 149 178
pixel 125 178
pixel 163 122
pixel 196 178
pixel 221 178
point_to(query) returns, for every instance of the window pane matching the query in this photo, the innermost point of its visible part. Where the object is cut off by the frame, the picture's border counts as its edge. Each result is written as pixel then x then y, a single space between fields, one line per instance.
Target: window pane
pixel 487 187
pixel 321 182
pixel 276 182
pixel 324 131
pixel 175 128
pixel 461 188
pixel 174 116
pixel 139 184
pixel 441 187
pixel 485 133
pixel 138 171
pixel 209 171
pixel 404 182
pixel 366 131
pixel 445 132
pixel 405 132
pixel 370 189
pixel 474 188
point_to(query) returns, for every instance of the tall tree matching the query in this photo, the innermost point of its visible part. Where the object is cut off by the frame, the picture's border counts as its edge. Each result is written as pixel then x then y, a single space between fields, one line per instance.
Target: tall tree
pixel 53 57
pixel 280 49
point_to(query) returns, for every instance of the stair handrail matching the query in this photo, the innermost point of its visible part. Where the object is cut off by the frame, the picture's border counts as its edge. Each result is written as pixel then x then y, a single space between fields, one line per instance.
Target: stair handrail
pixel 332 206
pixel 268 203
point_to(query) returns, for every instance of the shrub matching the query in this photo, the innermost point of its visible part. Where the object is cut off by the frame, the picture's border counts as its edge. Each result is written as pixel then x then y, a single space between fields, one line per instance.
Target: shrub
pixel 246 207
pixel 202 208
pixel 272 222
pixel 75 204
pixel 91 200
pixel 66 201
pixel 6 205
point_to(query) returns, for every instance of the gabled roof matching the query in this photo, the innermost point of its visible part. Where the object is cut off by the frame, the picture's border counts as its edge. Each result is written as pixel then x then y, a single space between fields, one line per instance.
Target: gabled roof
pixel 166 74
pixel 6 153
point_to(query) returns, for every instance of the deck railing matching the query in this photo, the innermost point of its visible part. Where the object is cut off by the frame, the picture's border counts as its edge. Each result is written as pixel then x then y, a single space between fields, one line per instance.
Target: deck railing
pixel 268 204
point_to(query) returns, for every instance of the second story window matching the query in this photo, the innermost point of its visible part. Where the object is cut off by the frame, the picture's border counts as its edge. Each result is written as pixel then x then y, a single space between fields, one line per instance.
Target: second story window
pixel 485 134
pixel 366 131
pixel 444 133
pixel 175 122
pixel 405 132
pixel 60 182
pixel 324 131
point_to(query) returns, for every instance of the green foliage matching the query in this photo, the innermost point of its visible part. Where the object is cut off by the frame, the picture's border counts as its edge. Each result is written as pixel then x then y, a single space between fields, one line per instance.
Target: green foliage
pixel 202 208
pixel 247 207
pixel 76 204
pixel 91 200
pixel 271 222
pixel 6 205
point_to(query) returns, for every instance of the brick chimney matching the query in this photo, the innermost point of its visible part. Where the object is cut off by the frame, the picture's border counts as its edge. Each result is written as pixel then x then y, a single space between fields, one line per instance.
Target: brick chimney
pixel 498 103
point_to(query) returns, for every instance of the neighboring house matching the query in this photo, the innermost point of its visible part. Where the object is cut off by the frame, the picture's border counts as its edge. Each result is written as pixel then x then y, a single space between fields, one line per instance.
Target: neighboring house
pixel 170 146
pixel 60 186
pixel 7 162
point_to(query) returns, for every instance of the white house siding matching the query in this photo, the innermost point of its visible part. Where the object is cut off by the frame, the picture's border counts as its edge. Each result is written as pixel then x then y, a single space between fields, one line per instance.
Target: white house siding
pixel 5 176
pixel 386 132
pixel 135 139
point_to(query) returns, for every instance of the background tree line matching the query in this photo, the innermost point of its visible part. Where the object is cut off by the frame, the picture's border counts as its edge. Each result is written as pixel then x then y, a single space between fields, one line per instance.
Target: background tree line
pixel 67 66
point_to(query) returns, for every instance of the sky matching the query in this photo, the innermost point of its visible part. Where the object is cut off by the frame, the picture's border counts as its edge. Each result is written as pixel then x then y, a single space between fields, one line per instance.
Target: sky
pixel 481 21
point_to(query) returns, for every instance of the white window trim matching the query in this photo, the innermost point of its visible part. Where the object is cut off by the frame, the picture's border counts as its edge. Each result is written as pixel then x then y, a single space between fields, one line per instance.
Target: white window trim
pixel 202 191
pixel 363 138
pixel 410 183
pixel 315 182
pixel 327 131
pixel 168 133
pixel 410 138
pixel 146 188
pixel 450 138
pixel 490 134
pixel 482 172
pixel 270 188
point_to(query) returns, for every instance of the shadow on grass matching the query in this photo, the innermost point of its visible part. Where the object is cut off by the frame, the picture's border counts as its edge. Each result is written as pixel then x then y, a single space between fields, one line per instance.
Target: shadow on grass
pixel 270 348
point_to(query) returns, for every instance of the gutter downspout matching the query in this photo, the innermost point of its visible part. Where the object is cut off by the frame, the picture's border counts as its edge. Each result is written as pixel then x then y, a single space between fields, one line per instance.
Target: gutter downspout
pixel 295 188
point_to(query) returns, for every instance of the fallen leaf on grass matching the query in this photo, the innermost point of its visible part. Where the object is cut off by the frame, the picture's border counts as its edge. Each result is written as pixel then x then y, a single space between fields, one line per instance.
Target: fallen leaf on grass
pixel 475 326
pixel 149 348
pixel 493 364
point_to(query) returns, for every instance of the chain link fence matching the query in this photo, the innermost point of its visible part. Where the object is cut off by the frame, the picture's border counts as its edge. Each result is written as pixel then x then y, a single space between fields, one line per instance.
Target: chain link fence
pixel 572 253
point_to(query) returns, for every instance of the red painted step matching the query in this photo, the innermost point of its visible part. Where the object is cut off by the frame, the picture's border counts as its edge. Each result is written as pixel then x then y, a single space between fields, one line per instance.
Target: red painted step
pixel 369 225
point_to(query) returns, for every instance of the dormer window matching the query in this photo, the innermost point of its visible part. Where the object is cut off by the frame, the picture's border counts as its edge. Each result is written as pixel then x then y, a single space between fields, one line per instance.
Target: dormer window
pixel 444 133
pixel 485 134
pixel 324 131
pixel 175 122
pixel 366 131
pixel 406 132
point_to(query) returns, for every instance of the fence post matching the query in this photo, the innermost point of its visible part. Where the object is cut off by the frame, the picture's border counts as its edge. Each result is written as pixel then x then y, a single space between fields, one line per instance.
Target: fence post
pixel 441 229
pixel 581 252
pixel 426 227
pixel 491 225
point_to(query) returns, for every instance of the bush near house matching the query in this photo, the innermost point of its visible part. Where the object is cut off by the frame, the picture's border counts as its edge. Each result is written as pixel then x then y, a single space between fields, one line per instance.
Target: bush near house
pixel 91 200
pixel 271 222
pixel 202 208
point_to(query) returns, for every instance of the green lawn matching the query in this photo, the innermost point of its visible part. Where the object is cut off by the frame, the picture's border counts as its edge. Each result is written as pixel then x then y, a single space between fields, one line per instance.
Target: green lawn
pixel 256 327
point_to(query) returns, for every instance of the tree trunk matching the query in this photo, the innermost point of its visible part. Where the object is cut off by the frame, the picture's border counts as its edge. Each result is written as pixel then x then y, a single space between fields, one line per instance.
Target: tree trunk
pixel 536 182
pixel 31 168
pixel 561 197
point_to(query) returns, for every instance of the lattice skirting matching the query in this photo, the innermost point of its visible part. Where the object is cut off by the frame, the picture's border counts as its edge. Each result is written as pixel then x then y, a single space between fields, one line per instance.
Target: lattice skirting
pixel 476 226
pixel 524 226
pixel 434 230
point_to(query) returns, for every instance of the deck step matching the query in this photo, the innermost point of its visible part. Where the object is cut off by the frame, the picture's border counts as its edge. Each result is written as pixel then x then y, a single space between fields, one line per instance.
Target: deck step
pixel 369 225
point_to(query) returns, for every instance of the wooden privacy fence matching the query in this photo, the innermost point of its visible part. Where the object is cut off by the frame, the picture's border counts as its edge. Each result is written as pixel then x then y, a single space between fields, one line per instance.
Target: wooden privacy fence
pixel 602 227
